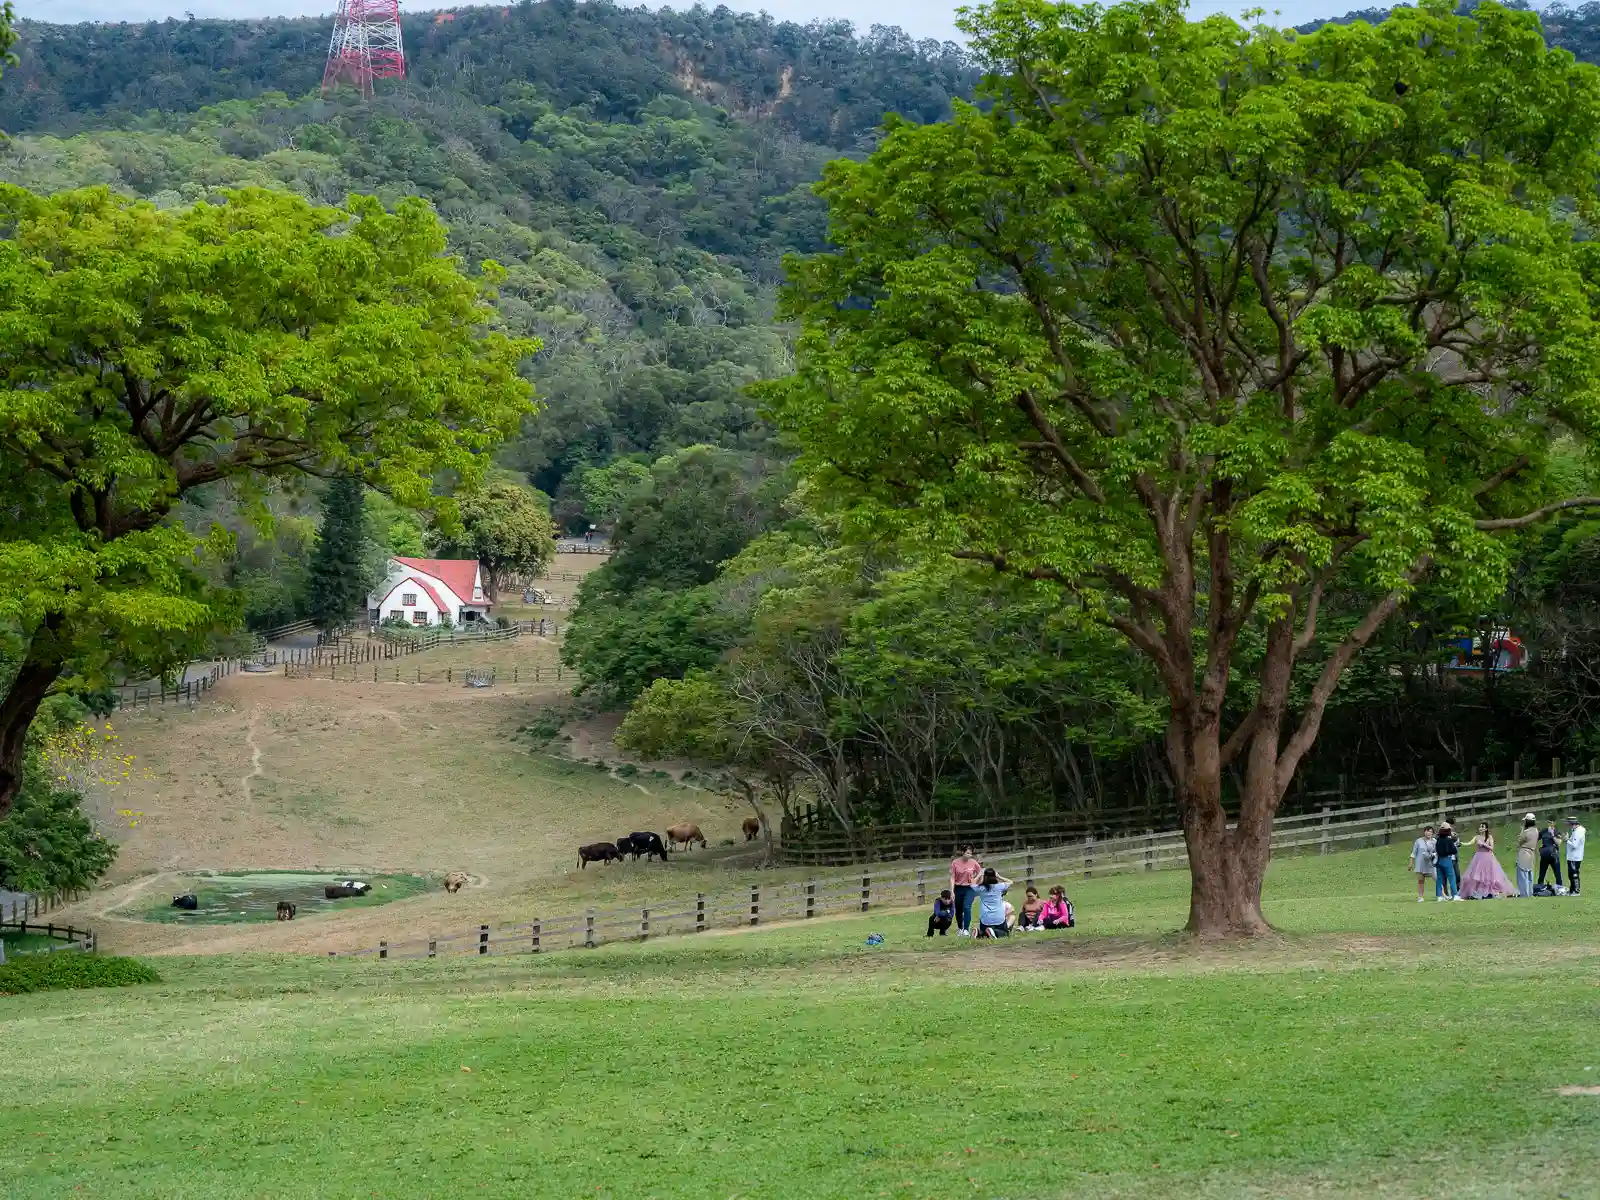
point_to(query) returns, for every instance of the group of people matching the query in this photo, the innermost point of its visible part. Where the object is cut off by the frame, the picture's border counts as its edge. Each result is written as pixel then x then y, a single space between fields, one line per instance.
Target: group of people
pixel 973 883
pixel 1436 855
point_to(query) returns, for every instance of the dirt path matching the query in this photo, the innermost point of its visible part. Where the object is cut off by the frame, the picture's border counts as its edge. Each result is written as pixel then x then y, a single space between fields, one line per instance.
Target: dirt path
pixel 255 753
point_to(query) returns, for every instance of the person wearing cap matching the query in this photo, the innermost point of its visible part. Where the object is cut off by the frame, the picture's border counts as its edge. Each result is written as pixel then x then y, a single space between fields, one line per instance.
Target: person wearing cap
pixel 1527 854
pixel 1575 835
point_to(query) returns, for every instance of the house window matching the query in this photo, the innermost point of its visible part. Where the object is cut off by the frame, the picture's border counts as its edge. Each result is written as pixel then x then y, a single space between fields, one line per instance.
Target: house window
pixel 409 599
pixel 396 614
pixel 419 618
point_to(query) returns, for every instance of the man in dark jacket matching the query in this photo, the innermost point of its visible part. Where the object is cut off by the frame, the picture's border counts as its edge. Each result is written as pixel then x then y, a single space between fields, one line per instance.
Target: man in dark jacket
pixel 1549 852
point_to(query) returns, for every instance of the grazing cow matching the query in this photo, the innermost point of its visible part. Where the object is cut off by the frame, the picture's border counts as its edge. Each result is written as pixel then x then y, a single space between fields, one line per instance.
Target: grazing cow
pixel 598 852
pixel 625 847
pixel 285 911
pixel 455 881
pixel 187 902
pixel 686 835
pixel 752 828
pixel 345 889
pixel 649 845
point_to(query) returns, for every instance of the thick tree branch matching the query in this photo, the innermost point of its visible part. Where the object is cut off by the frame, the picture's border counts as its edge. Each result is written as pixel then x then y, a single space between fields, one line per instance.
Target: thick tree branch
pixel 1538 514
pixel 1052 438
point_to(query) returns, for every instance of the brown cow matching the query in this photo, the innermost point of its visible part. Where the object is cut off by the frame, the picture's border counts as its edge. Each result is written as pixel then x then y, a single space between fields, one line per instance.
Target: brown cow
pixel 455 881
pixel 687 833
pixel 285 911
pixel 752 828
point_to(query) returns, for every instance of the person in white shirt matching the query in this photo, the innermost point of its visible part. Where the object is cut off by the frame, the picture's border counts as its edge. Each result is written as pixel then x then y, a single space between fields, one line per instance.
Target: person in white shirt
pixel 1575 836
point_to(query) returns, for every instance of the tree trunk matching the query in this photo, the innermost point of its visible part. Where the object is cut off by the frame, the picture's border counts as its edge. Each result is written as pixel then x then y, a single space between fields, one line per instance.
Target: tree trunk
pixel 1226 866
pixel 39 670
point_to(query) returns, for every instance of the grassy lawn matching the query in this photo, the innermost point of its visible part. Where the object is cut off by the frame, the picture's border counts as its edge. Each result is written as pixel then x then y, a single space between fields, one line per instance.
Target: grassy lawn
pixel 1376 1047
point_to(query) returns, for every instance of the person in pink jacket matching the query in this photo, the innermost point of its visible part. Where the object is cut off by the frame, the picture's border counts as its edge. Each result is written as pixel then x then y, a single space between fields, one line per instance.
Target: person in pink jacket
pixel 1057 911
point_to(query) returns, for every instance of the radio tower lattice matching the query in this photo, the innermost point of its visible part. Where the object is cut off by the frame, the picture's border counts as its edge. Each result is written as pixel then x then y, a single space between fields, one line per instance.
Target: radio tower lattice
pixel 366 45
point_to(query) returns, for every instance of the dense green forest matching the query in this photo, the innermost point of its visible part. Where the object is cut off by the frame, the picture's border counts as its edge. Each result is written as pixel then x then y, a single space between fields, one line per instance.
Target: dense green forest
pixel 641 176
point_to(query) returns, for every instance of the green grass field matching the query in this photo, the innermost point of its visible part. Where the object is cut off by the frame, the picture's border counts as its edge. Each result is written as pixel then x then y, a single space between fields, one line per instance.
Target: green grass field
pixel 1376 1047
pixel 240 897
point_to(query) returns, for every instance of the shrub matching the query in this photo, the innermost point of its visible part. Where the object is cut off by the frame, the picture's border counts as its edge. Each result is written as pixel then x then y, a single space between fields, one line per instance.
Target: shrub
pixel 71 969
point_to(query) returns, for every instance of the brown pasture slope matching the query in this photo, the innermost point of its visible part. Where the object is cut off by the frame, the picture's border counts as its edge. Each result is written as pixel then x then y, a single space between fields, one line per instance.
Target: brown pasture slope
pixel 275 773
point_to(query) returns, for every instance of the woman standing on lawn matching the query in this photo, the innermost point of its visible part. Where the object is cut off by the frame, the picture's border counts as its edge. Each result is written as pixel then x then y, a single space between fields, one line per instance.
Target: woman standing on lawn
pixel 1423 860
pixel 1484 879
pixel 1445 848
pixel 965 871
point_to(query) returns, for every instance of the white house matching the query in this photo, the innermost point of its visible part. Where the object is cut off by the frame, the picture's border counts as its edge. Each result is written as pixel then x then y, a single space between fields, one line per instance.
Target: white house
pixel 420 590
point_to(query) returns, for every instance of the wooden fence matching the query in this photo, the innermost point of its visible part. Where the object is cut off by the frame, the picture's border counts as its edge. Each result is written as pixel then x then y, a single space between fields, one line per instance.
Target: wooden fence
pixel 900 885
pixel 155 692
pixel 811 840
pixel 16 909
pixel 481 675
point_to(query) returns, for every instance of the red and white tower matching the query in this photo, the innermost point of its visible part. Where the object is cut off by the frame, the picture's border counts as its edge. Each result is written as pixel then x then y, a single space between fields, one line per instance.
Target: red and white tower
pixel 366 45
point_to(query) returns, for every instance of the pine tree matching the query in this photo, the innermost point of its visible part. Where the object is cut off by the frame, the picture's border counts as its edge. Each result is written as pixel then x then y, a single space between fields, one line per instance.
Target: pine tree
pixel 338 584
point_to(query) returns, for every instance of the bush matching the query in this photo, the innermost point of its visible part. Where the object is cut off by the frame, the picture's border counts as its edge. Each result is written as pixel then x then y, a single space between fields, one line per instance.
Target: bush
pixel 71 969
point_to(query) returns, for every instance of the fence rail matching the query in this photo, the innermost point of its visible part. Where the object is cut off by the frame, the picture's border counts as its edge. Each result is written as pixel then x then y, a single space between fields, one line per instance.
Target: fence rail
pixel 16 909
pixel 806 842
pixel 894 885
pixel 475 674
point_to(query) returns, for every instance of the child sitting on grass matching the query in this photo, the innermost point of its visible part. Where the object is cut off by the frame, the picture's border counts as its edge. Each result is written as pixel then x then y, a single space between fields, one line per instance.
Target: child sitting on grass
pixel 1057 912
pixel 1032 910
pixel 944 911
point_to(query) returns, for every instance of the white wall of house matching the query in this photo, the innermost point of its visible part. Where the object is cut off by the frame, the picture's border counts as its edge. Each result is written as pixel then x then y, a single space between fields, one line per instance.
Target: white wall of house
pixel 409 598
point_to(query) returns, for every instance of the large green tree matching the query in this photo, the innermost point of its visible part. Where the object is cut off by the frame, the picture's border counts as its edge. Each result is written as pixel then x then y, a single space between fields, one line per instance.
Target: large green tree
pixel 145 354
pixel 506 527
pixel 1197 321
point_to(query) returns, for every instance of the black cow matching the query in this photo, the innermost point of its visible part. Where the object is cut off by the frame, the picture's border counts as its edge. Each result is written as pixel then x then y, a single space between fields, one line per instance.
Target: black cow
pixel 285 911
pixel 187 902
pixel 345 889
pixel 625 846
pixel 648 844
pixel 598 852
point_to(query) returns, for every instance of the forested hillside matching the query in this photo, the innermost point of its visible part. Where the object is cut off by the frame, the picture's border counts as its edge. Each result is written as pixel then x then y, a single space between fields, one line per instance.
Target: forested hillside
pixel 640 175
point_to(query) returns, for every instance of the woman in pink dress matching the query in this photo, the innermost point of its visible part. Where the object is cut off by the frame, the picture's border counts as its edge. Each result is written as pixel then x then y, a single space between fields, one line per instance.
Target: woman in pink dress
pixel 1484 879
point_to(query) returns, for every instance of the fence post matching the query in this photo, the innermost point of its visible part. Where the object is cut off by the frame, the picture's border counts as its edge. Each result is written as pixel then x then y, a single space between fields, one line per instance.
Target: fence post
pixel 1149 849
pixel 1511 801
pixel 922 887
pixel 699 912
pixel 1088 856
pixel 755 906
pixel 588 928
pixel 433 946
pixel 1326 844
pixel 866 892
pixel 483 939
pixel 1028 882
pixel 644 924
pixel 1388 818
pixel 811 898
pixel 536 932
pixel 383 949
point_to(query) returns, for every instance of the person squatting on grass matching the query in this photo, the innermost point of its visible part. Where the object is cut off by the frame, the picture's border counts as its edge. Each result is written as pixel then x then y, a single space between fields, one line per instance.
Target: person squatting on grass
pixel 1445 849
pixel 1527 854
pixel 965 871
pixel 992 904
pixel 944 909
pixel 1423 860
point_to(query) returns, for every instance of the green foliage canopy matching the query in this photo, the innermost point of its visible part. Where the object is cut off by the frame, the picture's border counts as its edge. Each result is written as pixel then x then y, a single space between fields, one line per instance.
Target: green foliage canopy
pixel 148 354
pixel 503 525
pixel 1195 321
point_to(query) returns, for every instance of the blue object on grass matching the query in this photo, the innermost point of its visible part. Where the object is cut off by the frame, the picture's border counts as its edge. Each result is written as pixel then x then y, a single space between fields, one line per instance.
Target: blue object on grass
pixel 874 939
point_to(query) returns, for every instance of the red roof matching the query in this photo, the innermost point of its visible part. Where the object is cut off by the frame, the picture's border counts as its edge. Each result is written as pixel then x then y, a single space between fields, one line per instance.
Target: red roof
pixel 458 574
pixel 425 586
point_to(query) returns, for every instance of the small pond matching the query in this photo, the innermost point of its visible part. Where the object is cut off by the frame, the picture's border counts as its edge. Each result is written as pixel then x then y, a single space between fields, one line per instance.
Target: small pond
pixel 233 898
